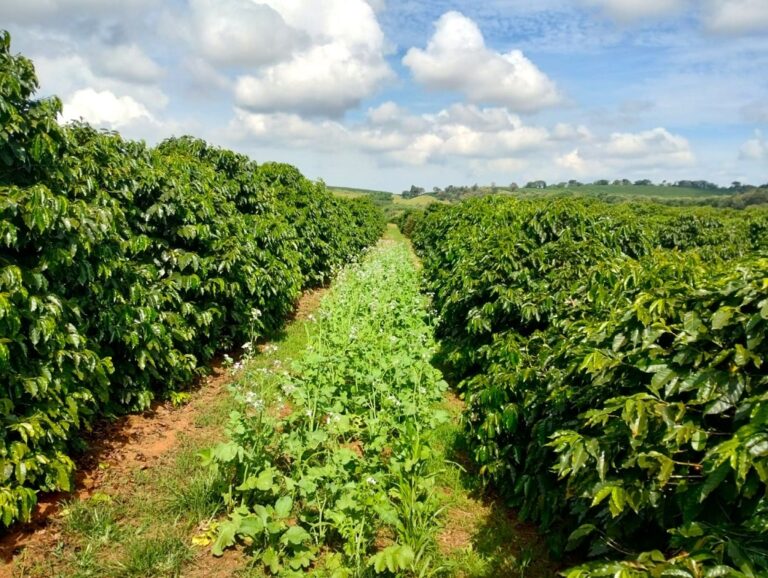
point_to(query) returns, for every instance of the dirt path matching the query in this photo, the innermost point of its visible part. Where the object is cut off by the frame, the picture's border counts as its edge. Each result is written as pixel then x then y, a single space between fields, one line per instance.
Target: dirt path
pixel 131 444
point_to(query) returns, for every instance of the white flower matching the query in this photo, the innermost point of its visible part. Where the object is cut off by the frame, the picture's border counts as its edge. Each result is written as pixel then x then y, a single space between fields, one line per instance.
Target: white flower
pixel 254 400
pixel 288 388
pixel 247 346
pixel 255 313
pixel 371 480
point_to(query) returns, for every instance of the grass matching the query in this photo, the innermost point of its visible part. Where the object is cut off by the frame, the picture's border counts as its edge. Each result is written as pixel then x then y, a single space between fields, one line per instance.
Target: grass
pixel 353 192
pixel 416 202
pixel 143 526
pixel 481 538
pixel 628 191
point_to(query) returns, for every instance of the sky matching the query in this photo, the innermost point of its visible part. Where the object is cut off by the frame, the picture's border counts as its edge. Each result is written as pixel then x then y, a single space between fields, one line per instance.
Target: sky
pixel 383 94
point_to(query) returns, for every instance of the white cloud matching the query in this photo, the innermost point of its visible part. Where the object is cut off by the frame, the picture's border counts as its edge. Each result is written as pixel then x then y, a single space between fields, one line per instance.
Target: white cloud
pixel 643 154
pixel 629 10
pixel 459 131
pixel 378 5
pixel 566 131
pixel 651 148
pixel 127 62
pixel 64 75
pixel 325 80
pixel 242 33
pixel 755 149
pixel 36 12
pixel 456 58
pixel 343 64
pixel 288 128
pixel 736 16
pixel 573 162
pixel 104 109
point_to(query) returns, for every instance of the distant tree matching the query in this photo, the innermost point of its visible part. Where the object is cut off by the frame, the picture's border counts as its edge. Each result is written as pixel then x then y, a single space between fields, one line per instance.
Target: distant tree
pixel 494 188
pixel 436 190
pixel 574 183
pixel 644 183
pixel 602 182
pixel 513 186
pixel 536 185
pixel 414 191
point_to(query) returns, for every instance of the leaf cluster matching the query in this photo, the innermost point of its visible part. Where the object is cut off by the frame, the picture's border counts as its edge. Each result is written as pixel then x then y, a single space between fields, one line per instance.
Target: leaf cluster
pixel 613 362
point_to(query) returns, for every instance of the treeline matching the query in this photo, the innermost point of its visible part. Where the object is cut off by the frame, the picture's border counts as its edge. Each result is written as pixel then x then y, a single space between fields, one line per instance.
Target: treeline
pixel 613 362
pixel 749 194
pixel 125 268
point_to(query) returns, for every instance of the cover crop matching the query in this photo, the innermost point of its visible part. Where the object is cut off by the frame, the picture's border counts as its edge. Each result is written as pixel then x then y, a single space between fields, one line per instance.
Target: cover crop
pixel 613 361
pixel 124 269
pixel 328 466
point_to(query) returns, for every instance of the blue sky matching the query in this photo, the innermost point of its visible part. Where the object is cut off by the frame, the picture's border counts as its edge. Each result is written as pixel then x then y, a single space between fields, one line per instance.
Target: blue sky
pixel 388 93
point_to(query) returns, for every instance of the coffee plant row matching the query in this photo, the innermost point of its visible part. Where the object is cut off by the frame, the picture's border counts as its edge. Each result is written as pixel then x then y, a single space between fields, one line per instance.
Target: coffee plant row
pixel 614 363
pixel 328 466
pixel 124 269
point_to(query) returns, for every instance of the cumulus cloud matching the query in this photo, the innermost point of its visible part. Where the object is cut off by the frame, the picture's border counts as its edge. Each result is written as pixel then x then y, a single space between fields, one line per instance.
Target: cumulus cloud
pixel 573 162
pixel 64 75
pixel 104 109
pixel 630 10
pixel 127 62
pixel 644 153
pixel 242 33
pixel 755 149
pixel 61 13
pixel 343 64
pixel 650 149
pixel 487 140
pixel 457 59
pixel 325 80
pixel 459 131
pixel 566 131
pixel 736 16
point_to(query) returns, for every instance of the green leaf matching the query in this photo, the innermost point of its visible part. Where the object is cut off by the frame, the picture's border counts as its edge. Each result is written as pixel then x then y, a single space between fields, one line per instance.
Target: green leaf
pixel 271 560
pixel 294 535
pixel 283 507
pixel 226 536
pixel 713 480
pixel 699 440
pixel 722 317
pixel 579 534
pixel 393 559
pixel 265 481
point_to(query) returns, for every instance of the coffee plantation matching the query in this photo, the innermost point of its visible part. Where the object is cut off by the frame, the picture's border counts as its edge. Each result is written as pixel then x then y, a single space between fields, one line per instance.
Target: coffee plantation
pixel 612 358
pixel 125 268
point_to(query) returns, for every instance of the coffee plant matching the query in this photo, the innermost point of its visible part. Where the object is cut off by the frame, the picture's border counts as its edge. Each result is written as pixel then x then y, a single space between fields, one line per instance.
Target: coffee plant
pixel 125 268
pixel 613 361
